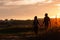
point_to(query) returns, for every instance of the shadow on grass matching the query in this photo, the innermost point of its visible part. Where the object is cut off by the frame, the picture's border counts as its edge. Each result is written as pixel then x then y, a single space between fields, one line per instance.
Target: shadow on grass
pixel 52 35
pixel 14 30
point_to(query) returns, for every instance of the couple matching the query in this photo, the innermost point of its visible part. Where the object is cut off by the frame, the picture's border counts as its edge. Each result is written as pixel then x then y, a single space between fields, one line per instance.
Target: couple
pixel 45 22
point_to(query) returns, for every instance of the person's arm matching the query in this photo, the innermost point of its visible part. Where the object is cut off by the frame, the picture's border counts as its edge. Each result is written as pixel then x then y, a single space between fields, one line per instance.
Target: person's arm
pixel 50 22
pixel 38 22
pixel 43 20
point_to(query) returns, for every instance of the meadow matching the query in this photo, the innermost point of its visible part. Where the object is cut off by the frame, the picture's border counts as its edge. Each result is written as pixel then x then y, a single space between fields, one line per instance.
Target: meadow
pixel 23 30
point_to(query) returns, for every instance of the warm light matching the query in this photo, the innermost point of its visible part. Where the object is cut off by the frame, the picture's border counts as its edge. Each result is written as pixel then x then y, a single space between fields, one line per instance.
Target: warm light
pixel 57 4
pixel 58 15
pixel 53 17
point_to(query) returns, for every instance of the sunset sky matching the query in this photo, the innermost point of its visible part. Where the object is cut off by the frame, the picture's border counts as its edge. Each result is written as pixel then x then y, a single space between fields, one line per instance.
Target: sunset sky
pixel 27 9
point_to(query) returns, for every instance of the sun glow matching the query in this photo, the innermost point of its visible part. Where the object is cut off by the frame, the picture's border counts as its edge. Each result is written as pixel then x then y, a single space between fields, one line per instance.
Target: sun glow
pixel 53 17
pixel 58 15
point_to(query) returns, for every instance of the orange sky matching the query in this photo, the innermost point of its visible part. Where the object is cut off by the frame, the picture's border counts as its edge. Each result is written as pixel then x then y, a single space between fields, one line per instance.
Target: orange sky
pixel 27 9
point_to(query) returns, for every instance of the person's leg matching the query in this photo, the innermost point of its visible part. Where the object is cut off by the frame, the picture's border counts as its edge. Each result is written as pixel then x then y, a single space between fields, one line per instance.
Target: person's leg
pixel 46 28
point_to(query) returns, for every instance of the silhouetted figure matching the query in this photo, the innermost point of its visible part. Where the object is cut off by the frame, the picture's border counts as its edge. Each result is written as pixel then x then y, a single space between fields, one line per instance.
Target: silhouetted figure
pixel 46 21
pixel 35 24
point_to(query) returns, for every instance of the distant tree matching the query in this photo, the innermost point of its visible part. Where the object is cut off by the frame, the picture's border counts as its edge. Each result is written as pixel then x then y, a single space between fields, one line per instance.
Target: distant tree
pixel 11 19
pixel 6 20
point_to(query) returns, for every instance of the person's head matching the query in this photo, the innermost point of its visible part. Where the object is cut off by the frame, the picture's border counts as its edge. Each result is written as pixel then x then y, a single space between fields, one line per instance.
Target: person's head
pixel 46 14
pixel 35 17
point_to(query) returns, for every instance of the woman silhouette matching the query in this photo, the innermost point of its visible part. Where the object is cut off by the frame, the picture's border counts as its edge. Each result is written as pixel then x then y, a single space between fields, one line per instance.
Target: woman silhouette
pixel 35 24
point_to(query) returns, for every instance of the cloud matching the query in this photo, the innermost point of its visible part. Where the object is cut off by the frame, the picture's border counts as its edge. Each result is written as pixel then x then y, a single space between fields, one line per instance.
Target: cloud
pixel 49 1
pixel 57 4
pixel 9 4
pixel 25 2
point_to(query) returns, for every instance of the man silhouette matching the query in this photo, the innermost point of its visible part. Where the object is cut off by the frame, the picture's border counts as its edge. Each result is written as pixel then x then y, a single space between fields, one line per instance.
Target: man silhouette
pixel 46 21
pixel 35 24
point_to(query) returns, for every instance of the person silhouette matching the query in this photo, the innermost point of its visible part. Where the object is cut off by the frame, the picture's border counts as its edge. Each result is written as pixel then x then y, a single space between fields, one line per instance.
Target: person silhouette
pixel 46 21
pixel 35 24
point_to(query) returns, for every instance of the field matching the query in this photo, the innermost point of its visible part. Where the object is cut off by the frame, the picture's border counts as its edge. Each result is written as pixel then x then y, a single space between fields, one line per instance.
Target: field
pixel 23 30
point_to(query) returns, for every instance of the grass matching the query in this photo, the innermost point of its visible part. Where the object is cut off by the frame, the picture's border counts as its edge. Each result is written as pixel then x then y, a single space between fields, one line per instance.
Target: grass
pixel 14 30
pixel 28 34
